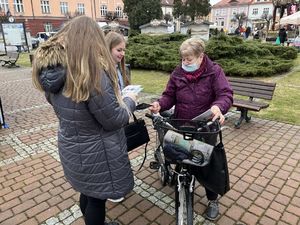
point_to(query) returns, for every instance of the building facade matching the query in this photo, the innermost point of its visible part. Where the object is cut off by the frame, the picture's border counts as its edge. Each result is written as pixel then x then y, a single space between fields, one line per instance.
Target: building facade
pixel 223 12
pixel 49 15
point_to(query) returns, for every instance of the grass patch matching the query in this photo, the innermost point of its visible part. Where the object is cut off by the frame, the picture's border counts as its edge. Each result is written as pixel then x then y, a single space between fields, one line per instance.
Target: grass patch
pixel 153 82
pixel 24 59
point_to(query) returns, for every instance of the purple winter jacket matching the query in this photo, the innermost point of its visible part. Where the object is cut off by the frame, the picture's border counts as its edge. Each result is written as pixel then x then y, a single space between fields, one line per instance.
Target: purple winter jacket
pixel 193 98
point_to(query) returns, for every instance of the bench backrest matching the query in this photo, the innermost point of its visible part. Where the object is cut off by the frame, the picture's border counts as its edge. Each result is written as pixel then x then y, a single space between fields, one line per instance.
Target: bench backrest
pixel 252 88
pixel 13 55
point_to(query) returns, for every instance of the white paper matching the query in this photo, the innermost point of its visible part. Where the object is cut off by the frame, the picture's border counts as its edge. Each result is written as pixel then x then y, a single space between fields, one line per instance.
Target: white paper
pixel 132 89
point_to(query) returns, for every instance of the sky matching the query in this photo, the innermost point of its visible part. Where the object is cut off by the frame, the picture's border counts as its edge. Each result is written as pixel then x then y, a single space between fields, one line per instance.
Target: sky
pixel 212 2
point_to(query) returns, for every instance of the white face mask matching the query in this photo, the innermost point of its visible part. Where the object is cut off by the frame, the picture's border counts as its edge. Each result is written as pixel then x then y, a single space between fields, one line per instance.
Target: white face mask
pixel 190 68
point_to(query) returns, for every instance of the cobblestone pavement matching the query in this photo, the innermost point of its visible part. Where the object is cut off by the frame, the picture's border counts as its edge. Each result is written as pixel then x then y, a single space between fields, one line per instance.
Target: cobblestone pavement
pixel 263 161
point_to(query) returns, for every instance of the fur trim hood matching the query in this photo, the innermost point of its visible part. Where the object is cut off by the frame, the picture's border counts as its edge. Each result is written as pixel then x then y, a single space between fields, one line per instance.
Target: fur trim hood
pixel 50 53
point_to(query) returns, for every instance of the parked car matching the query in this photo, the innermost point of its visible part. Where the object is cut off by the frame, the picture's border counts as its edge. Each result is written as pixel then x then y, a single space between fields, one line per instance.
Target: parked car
pixel 41 37
pixel 34 42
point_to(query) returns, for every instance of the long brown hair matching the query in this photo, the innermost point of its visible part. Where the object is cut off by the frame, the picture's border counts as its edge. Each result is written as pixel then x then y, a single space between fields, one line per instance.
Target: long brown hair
pixel 86 58
pixel 113 39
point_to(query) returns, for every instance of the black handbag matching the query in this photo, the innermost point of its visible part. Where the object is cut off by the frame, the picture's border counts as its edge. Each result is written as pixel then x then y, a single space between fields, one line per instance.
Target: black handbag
pixel 215 175
pixel 136 133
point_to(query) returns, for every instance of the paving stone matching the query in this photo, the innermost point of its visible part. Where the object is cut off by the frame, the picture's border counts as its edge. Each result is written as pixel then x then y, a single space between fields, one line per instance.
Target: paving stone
pixel 263 158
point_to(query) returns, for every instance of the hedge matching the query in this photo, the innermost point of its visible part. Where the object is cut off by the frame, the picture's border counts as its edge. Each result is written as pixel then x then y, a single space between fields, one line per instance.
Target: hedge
pixel 236 56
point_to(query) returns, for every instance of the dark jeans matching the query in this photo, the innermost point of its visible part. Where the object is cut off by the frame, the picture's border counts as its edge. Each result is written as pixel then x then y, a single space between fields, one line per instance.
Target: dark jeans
pixel 210 195
pixel 93 210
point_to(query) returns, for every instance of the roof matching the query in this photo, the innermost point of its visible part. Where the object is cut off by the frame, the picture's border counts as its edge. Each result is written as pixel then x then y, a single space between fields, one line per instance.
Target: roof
pixel 229 3
pixel 167 2
pixel 195 23
pixel 114 25
pixel 155 23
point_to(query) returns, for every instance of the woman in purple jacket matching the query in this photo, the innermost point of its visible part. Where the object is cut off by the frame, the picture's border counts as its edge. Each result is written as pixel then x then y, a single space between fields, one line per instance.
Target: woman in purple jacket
pixel 196 85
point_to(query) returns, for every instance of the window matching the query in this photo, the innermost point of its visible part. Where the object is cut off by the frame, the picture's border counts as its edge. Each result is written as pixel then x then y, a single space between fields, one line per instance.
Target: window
pixel 234 11
pixel 45 6
pixel 103 10
pixel 255 11
pixel 223 12
pixel 18 4
pixel 48 27
pixel 64 8
pixel 222 23
pixel 266 11
pixel 217 12
pixel 4 5
pixel 119 12
pixel 80 8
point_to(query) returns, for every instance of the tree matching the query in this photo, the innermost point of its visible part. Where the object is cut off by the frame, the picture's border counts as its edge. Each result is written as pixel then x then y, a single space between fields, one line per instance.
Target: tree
pixel 111 16
pixel 281 5
pixel 196 8
pixel 267 17
pixel 191 8
pixel 140 12
pixel 4 16
pixel 240 18
pixel 178 9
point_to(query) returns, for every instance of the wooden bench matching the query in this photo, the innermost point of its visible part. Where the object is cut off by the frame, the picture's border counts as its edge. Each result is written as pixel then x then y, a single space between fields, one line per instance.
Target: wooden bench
pixel 10 59
pixel 253 89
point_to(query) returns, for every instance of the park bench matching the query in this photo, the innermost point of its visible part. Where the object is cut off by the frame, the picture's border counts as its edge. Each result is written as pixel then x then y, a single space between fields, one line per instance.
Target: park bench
pixel 10 59
pixel 255 90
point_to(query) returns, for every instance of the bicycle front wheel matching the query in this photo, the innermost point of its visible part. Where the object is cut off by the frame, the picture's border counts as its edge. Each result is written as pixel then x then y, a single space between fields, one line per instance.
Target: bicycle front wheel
pixel 184 206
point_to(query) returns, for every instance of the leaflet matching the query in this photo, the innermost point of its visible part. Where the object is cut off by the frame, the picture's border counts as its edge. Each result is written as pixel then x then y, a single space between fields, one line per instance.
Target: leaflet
pixel 132 89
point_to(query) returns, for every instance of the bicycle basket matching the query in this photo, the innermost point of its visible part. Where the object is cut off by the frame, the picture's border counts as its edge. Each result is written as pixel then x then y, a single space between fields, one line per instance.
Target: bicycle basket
pixel 193 152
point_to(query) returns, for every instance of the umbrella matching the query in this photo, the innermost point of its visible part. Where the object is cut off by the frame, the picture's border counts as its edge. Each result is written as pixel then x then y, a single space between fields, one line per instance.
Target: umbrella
pixel 291 19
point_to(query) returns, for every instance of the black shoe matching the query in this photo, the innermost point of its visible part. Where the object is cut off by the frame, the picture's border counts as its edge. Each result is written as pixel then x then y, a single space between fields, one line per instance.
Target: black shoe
pixel 212 210
pixel 111 223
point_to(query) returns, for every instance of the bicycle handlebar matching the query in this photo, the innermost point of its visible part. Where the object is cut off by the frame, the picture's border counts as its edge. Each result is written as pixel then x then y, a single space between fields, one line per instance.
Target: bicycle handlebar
pixel 185 126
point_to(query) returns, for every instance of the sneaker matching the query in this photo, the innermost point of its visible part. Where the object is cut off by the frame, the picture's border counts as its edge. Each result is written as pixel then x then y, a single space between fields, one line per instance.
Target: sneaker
pixel 212 210
pixel 115 200
pixel 111 223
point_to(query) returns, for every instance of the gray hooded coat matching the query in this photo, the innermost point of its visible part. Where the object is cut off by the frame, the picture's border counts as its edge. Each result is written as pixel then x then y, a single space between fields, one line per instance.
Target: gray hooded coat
pixel 91 140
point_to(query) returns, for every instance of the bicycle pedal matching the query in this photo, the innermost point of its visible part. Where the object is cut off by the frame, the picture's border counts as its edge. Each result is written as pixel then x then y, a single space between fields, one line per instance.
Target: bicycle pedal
pixel 154 165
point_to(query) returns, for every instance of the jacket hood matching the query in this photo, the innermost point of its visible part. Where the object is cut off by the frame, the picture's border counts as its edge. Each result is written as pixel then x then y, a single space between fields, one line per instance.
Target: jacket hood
pixel 50 61
pixel 50 53
pixel 53 78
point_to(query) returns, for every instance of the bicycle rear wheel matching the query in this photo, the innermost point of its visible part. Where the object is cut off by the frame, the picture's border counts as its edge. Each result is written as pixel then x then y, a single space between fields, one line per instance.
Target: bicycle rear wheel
pixel 184 206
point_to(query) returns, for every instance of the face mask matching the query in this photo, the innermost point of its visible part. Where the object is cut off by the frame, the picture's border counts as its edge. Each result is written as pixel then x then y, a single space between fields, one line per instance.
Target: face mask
pixel 190 68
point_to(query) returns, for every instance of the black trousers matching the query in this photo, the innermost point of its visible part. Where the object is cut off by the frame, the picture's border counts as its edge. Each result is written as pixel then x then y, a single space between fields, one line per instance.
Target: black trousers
pixel 93 210
pixel 211 195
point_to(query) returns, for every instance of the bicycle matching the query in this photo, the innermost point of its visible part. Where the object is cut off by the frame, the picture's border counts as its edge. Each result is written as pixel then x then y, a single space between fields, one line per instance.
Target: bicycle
pixel 192 140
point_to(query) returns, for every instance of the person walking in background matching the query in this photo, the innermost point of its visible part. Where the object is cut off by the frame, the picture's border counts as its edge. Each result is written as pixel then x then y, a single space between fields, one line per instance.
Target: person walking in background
pixel 117 44
pixel 77 73
pixel 196 85
pixel 282 36
pixel 247 32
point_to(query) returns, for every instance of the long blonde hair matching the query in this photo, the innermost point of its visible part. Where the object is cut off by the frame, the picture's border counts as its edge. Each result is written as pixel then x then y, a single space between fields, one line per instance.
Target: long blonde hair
pixel 113 39
pixel 86 58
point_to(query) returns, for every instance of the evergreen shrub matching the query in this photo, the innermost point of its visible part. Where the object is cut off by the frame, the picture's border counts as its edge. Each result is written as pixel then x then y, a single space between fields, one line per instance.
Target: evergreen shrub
pixel 236 56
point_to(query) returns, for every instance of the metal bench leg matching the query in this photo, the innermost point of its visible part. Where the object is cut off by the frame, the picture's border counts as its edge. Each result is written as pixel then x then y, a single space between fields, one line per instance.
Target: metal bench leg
pixel 244 115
